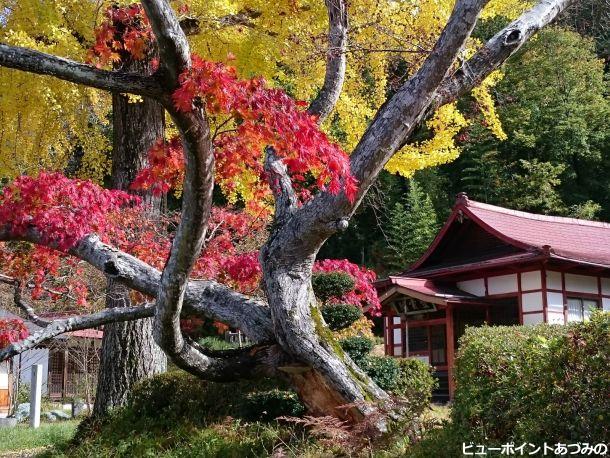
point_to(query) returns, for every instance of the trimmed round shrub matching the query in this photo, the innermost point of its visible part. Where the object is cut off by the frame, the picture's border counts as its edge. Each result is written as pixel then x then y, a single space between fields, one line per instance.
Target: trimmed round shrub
pixel 415 383
pixel 383 370
pixel 331 284
pixel 357 347
pixel 268 405
pixel 340 316
pixel 543 383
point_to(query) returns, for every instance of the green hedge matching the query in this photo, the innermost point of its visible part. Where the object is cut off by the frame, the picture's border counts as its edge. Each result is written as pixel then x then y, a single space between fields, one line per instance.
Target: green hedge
pixel 409 379
pixel 534 384
pixel 271 404
pixel 415 383
pixel 172 394
pixel 357 347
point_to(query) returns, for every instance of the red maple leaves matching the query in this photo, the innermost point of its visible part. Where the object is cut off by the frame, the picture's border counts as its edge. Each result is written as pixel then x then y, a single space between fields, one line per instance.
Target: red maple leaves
pixel 125 32
pixel 262 117
pixel 11 331
pixel 59 209
pixel 364 292
pixel 165 170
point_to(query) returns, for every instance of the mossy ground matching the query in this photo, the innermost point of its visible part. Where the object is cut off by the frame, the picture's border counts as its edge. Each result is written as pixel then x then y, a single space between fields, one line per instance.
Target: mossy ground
pixel 177 415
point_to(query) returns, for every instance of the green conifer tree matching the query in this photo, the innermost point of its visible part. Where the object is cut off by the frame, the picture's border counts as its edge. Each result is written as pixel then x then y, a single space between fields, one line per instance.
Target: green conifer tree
pixel 411 228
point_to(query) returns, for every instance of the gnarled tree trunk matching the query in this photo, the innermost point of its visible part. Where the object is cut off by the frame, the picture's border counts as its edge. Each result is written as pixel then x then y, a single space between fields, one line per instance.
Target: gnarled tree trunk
pixel 328 379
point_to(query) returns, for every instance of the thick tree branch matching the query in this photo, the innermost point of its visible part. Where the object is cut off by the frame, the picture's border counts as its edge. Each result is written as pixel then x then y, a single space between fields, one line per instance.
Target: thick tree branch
pixel 280 184
pixel 45 64
pixel 27 308
pixel 499 48
pixel 196 199
pixel 202 297
pixel 58 327
pixel 336 60
pixel 20 303
pixel 174 51
pixel 262 360
pixel 394 122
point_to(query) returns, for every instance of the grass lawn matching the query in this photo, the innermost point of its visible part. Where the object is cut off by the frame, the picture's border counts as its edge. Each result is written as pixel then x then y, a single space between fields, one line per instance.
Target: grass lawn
pixel 22 437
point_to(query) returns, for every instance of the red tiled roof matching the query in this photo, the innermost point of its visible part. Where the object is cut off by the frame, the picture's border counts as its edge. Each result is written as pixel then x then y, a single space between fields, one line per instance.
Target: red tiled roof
pixel 87 333
pixel 500 261
pixel 575 239
pixel 427 290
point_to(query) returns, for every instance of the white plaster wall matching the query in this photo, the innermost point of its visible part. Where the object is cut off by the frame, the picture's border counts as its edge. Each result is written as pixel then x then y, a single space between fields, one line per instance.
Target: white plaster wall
pixel 553 280
pixel 533 318
pixel 502 284
pixel 555 318
pixel 397 336
pixel 606 304
pixel 554 302
pixel 28 359
pixel 4 375
pixel 531 280
pixel 581 283
pixel 531 302
pixel 606 286
pixel 476 286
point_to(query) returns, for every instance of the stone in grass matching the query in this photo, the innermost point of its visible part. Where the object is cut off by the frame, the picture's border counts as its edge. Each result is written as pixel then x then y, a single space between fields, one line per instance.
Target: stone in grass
pixel 10 422
pixel 60 415
pixel 22 413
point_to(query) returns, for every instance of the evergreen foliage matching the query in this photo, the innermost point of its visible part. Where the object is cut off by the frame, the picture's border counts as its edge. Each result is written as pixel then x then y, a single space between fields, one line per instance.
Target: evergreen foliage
pixel 543 383
pixel 554 108
pixel 411 228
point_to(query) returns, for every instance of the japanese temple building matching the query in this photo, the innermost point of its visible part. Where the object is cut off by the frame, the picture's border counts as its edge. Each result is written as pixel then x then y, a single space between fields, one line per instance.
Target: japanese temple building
pixel 497 266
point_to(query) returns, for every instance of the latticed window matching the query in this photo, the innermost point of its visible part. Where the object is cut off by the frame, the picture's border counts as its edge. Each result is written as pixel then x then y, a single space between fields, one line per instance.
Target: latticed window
pixel 580 309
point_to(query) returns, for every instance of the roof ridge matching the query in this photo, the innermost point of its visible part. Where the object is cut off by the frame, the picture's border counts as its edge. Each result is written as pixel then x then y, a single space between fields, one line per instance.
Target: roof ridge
pixel 535 216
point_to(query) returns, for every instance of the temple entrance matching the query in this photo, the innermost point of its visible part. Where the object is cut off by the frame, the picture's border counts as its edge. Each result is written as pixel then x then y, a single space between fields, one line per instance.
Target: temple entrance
pixel 429 344
pixel 431 333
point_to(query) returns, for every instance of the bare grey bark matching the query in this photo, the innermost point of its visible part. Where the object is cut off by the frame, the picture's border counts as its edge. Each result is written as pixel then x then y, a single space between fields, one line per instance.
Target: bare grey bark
pixel 45 64
pixel 20 303
pixel 196 199
pixel 58 327
pixel 336 60
pixel 204 297
pixel 261 360
pixel 324 378
pixel 499 48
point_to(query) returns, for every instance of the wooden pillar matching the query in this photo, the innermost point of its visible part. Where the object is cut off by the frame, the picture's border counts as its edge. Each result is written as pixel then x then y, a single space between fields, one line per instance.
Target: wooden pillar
pixel 64 382
pixel 450 349
pixel 545 304
pixel 404 325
